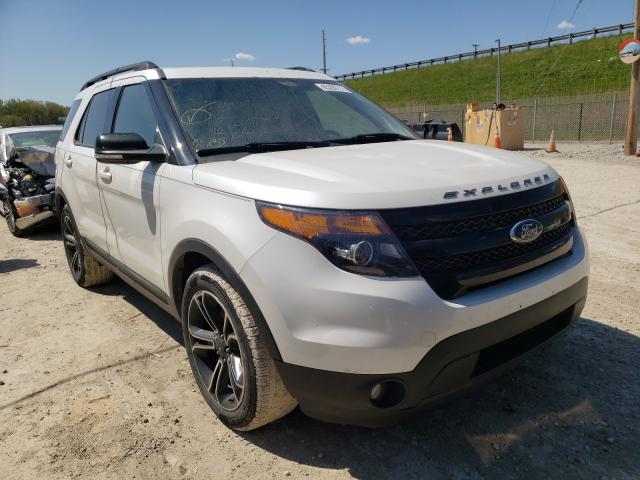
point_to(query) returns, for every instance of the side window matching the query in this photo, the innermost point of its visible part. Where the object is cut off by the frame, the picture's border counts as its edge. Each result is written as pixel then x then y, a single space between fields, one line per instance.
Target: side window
pixel 67 121
pixel 94 119
pixel 135 114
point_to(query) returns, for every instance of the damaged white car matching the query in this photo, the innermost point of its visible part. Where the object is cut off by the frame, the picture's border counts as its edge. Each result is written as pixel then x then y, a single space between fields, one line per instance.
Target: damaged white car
pixel 27 175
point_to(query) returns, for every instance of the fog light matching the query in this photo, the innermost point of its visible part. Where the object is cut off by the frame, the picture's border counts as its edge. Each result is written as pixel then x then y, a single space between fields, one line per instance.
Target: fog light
pixel 376 392
pixel 388 393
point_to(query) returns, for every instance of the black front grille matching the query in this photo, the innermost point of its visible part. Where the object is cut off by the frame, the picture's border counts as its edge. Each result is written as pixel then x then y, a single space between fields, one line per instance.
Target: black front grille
pixel 456 263
pixel 467 245
pixel 477 224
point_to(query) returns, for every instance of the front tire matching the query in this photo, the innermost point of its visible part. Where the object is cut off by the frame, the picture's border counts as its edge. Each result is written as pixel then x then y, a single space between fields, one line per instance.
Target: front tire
pixel 85 270
pixel 227 353
pixel 10 217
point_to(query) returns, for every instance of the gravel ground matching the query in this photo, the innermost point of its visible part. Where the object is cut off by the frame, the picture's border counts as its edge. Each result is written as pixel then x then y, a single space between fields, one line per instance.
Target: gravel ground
pixel 95 384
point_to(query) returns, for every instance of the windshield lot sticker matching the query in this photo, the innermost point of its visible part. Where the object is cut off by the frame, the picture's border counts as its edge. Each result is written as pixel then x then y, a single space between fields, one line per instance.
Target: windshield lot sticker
pixel 332 87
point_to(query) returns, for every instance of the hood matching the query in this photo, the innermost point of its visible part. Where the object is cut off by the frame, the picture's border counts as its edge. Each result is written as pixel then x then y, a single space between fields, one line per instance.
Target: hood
pixel 375 175
pixel 39 159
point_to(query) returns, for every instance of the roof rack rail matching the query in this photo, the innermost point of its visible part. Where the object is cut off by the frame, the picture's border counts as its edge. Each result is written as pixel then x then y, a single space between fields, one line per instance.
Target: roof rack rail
pixel 304 69
pixel 126 68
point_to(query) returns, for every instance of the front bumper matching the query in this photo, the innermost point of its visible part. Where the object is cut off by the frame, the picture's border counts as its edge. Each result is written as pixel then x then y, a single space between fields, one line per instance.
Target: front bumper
pixel 452 366
pixel 324 318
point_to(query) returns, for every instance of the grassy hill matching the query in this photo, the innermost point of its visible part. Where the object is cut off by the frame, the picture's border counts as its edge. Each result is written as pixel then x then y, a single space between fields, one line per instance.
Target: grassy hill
pixel 588 66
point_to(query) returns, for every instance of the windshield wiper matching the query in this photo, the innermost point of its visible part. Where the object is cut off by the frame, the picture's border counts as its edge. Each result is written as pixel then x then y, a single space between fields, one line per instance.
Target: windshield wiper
pixel 259 147
pixel 371 138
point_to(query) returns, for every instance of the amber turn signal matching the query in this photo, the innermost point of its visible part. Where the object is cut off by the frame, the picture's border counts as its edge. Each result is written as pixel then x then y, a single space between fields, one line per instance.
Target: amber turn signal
pixel 307 224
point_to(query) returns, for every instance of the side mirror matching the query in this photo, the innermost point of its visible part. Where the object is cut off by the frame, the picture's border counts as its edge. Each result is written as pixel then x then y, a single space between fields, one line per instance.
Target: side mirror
pixel 127 148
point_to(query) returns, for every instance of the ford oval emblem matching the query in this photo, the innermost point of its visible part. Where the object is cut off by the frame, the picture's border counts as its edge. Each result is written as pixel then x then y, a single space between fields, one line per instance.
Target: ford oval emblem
pixel 526 231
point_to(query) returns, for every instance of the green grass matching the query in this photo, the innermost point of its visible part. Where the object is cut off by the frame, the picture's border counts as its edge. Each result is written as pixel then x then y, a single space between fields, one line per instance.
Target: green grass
pixel 586 67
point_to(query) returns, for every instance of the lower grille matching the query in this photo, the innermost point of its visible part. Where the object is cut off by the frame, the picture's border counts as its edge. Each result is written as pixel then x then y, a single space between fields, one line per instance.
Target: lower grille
pixel 505 351
pixel 467 245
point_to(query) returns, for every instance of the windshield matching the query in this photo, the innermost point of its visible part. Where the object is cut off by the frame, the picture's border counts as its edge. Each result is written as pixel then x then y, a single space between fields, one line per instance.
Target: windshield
pixel 222 113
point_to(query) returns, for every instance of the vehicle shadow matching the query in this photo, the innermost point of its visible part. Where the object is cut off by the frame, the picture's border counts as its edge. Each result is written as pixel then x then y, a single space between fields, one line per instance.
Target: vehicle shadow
pixel 570 410
pixel 157 315
pixel 49 230
pixel 12 265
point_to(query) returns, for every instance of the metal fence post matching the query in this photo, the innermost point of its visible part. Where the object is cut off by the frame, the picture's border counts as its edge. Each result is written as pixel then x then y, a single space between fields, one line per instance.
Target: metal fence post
pixel 613 114
pixel 580 122
pixel 535 117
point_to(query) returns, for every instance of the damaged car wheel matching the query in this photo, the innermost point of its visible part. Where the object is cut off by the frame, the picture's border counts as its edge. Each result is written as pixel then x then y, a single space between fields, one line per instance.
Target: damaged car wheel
pixel 85 270
pixel 10 217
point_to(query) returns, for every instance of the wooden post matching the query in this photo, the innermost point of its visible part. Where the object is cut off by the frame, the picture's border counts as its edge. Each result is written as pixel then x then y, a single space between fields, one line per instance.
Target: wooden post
pixel 613 117
pixel 632 113
pixel 535 119
pixel 580 122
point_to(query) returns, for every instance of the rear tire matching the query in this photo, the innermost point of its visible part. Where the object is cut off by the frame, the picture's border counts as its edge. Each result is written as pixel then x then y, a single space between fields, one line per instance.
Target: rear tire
pixel 221 335
pixel 85 270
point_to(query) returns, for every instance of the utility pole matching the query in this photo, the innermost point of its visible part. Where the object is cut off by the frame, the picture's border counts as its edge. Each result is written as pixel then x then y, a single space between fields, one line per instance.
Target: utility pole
pixel 498 73
pixel 475 50
pixel 324 53
pixel 632 113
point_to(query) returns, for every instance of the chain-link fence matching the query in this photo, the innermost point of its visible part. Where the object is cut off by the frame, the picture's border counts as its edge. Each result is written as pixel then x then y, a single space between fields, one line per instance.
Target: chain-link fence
pixel 600 117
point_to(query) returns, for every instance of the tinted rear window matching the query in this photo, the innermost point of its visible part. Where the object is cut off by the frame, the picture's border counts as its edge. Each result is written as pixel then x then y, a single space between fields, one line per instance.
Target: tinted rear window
pixel 94 120
pixel 67 122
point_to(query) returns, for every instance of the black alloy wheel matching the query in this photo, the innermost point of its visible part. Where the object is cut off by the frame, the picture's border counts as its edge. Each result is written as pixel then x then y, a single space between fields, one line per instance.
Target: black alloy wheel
pixel 71 248
pixel 218 358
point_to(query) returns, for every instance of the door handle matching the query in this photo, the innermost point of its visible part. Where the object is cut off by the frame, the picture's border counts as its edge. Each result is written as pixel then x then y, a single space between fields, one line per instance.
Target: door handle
pixel 68 161
pixel 105 175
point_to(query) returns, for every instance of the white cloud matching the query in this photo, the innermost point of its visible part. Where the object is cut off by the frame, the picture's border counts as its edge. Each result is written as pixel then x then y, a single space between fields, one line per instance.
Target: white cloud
pixel 244 56
pixel 564 25
pixel 358 40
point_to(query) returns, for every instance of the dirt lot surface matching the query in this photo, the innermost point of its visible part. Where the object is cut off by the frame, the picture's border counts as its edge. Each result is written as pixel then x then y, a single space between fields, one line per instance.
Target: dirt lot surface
pixel 95 383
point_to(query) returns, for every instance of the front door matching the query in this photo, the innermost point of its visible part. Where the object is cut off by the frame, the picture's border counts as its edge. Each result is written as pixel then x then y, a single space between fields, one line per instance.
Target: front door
pixel 131 192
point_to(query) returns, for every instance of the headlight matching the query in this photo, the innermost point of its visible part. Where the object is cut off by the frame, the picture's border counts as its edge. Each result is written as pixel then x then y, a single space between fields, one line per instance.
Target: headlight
pixel 359 242
pixel 568 197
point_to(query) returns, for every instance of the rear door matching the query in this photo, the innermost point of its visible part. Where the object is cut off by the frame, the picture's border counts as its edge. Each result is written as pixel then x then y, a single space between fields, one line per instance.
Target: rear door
pixel 78 177
pixel 130 193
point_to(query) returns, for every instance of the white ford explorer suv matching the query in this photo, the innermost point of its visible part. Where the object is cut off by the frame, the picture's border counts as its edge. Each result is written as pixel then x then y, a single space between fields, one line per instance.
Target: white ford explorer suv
pixel 316 252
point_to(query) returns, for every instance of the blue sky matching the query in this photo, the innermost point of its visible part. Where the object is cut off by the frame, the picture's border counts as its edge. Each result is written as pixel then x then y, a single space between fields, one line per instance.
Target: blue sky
pixel 49 48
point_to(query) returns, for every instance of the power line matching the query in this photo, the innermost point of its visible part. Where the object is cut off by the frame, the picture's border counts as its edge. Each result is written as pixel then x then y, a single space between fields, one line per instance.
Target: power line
pixel 553 66
pixel 546 24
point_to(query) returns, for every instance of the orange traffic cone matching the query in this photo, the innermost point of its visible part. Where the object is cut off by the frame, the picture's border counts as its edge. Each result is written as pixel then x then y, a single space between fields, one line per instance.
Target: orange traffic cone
pixel 551 148
pixel 449 134
pixel 497 143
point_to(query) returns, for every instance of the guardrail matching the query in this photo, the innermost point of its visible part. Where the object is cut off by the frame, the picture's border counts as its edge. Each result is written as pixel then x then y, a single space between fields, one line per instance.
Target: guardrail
pixel 546 42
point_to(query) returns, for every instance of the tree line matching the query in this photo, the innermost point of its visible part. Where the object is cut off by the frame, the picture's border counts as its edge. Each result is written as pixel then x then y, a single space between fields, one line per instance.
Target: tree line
pixel 15 113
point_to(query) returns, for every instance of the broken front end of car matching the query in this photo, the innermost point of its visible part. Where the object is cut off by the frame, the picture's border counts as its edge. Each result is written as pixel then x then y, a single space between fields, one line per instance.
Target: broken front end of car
pixel 27 187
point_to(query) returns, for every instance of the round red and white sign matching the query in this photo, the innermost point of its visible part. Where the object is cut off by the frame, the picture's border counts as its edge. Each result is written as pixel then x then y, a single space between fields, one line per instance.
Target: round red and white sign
pixel 630 50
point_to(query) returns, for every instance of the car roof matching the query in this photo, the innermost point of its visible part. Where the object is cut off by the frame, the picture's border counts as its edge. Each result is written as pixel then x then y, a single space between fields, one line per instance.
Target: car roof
pixel 143 69
pixel 242 72
pixel 30 128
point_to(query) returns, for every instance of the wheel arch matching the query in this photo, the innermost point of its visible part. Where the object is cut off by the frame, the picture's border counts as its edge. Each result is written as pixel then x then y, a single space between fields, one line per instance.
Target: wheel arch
pixel 60 201
pixel 192 253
